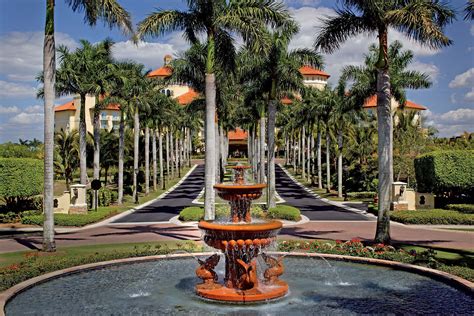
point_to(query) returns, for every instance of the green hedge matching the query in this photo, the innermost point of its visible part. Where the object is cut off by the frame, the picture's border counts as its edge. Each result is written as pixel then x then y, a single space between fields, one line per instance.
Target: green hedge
pixel 463 208
pixel 445 171
pixel 361 195
pixel 196 213
pixel 432 217
pixel 20 179
pixel 286 212
pixel 76 220
pixel 105 195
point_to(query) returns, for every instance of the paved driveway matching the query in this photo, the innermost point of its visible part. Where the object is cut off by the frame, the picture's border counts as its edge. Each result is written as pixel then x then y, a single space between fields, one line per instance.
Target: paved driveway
pixel 310 206
pixel 170 206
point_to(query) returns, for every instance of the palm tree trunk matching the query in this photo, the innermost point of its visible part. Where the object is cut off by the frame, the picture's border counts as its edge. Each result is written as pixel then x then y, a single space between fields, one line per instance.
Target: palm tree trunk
pixel 222 149
pixel 96 151
pixel 271 154
pixel 249 146
pixel 339 164
pixel 385 147
pixel 295 155
pixel 313 169
pixel 153 153
pixel 49 69
pixel 262 150
pixel 83 141
pixel 308 157
pixel 136 133
pixel 178 156
pixel 210 155
pixel 190 147
pixel 256 150
pixel 218 154
pixel 160 145
pixel 167 153
pixel 328 163
pixel 172 158
pixel 147 160
pixel 286 149
pixel 320 171
pixel 303 152
pixel 121 157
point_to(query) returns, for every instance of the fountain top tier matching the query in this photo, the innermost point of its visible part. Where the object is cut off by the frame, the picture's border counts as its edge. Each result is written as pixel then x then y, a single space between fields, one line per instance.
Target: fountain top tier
pixel 240 197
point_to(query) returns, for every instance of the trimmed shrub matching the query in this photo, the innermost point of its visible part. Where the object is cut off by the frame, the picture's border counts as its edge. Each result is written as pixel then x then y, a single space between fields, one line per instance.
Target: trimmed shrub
pixel 76 220
pixel 286 212
pixel 361 195
pixel 104 195
pixel 21 178
pixel 463 208
pixel 450 171
pixel 432 217
pixel 191 214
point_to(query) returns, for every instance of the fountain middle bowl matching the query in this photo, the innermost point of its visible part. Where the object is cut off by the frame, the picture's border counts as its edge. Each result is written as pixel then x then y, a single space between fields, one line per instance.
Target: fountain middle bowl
pixel 229 235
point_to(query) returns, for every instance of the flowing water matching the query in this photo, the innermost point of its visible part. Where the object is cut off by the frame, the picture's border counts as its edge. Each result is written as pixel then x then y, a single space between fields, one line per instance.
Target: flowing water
pixel 167 287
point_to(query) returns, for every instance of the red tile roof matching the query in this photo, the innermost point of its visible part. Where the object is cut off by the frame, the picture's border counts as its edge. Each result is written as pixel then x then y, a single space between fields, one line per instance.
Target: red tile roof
pixel 65 107
pixel 187 97
pixel 113 107
pixel 237 134
pixel 307 70
pixel 164 71
pixel 372 102
pixel 286 101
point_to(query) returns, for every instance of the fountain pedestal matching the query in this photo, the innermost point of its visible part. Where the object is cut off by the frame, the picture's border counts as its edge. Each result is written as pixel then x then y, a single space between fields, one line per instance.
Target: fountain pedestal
pixel 241 242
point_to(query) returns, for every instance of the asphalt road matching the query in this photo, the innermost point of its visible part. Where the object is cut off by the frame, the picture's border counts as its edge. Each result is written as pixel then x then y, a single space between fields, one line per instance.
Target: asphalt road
pixel 293 194
pixel 310 206
pixel 170 206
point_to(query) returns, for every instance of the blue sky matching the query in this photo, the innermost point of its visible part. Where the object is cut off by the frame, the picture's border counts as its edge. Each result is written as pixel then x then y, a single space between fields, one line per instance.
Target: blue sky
pixel 450 100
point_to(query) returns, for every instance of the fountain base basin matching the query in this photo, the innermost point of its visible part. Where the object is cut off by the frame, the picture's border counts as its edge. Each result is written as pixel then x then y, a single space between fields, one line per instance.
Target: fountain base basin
pixel 260 293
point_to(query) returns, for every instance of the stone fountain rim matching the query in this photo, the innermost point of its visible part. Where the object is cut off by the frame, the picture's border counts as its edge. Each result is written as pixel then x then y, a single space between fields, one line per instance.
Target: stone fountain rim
pixel 239 187
pixel 452 280
pixel 243 227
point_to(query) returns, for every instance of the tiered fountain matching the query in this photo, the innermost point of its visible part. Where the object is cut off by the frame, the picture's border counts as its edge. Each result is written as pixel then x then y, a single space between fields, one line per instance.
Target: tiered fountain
pixel 242 242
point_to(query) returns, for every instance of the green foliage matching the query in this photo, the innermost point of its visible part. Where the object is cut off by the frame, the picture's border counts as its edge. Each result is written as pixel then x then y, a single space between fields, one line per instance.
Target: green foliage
pixel 463 208
pixel 21 178
pixel 22 150
pixel 191 214
pixel 284 212
pixel 76 220
pixel 446 171
pixel 105 195
pixel 432 217
pixel 461 271
pixel 361 195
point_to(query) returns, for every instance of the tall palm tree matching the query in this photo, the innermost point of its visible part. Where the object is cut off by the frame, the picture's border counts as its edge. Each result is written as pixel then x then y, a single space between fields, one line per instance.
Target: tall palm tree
pixel 278 75
pixel 420 20
pixel 215 19
pixel 114 15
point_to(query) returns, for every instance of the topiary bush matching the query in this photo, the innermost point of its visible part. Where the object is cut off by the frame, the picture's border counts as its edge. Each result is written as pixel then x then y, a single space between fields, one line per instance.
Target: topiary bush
pixel 285 212
pixel 191 214
pixel 20 179
pixel 463 208
pixel 361 195
pixel 105 196
pixel 432 217
pixel 449 171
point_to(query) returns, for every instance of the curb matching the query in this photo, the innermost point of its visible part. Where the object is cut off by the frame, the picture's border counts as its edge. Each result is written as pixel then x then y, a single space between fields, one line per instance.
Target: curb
pixel 110 219
pixel 308 190
pixel 455 281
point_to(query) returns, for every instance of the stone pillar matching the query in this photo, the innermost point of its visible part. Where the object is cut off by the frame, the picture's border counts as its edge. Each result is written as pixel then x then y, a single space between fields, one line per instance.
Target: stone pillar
pixel 78 199
pixel 399 202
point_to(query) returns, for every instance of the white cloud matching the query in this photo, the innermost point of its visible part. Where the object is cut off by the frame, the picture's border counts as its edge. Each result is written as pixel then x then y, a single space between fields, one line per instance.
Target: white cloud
pixel 430 69
pixel 27 118
pixel 35 109
pixel 465 79
pixel 353 50
pixel 149 53
pixel 469 97
pixel 8 109
pixel 16 90
pixel 21 54
pixel 451 123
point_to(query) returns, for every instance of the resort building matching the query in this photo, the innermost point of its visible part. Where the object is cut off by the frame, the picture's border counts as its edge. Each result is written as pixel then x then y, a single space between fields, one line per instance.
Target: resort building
pixel 370 106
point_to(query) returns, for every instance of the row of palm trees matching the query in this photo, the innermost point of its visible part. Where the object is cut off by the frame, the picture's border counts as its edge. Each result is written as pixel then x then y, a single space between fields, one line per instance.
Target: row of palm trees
pixel 261 24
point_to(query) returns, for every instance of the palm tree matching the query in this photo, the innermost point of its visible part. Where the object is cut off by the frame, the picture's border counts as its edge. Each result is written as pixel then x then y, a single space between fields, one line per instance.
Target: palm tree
pixel 66 154
pixel 278 75
pixel 420 20
pixel 108 151
pixel 469 10
pixel 215 19
pixel 114 15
